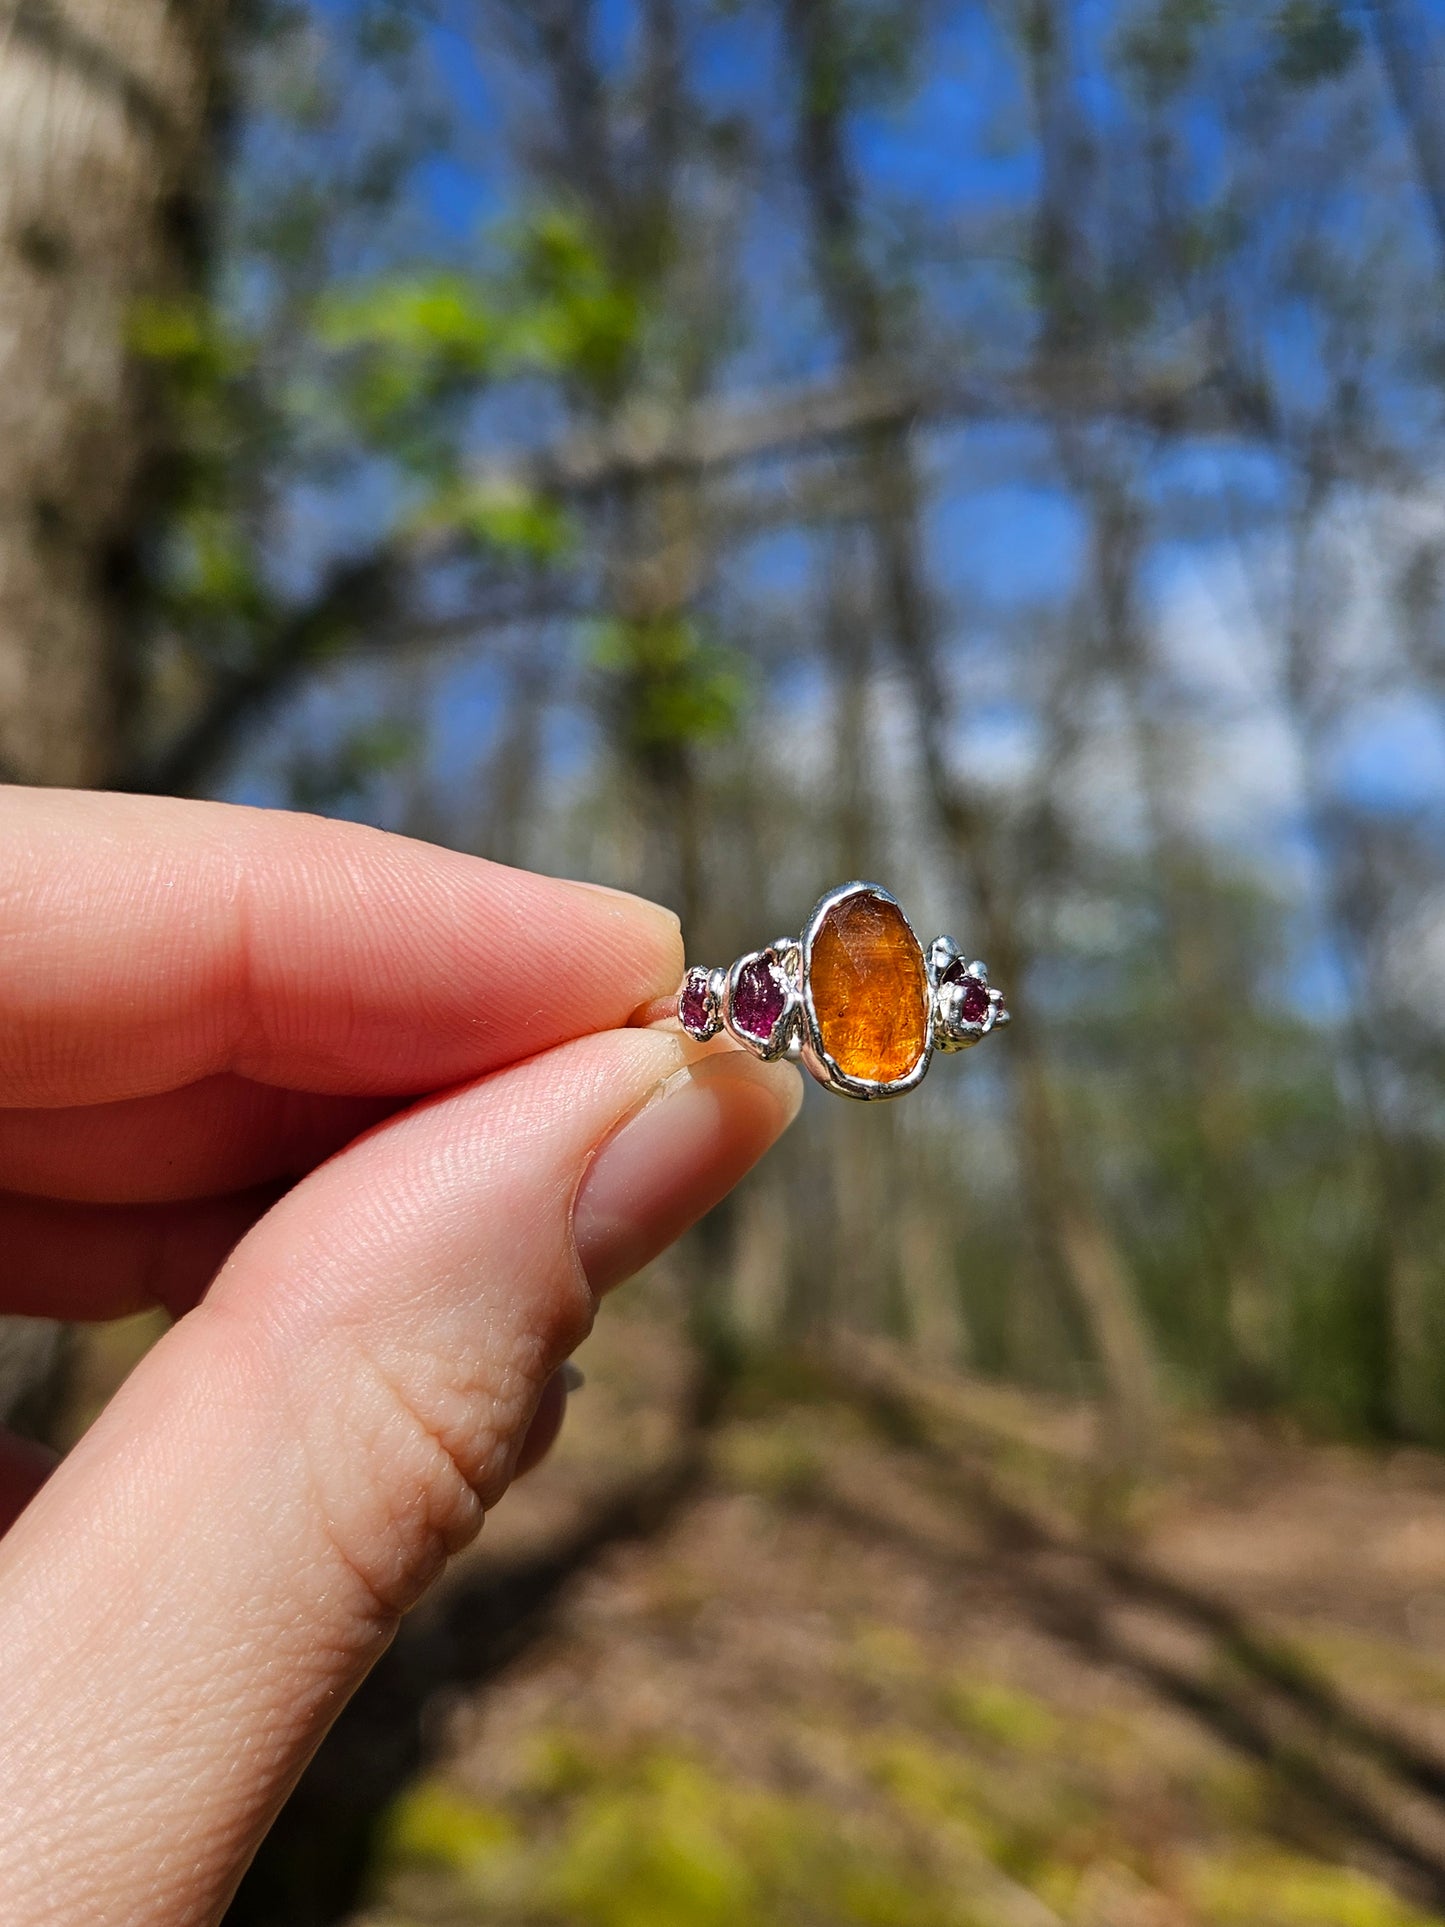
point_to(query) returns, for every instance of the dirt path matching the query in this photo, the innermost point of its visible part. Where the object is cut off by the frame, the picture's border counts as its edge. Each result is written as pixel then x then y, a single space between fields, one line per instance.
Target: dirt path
pixel 891 1658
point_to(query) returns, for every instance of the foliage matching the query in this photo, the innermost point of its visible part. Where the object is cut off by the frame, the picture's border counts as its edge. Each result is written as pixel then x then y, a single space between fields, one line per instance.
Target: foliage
pixel 343 776
pixel 954 1824
pixel 492 310
pixel 660 1838
pixel 1159 48
pixel 1317 41
pixel 671 684
pixel 1285 1891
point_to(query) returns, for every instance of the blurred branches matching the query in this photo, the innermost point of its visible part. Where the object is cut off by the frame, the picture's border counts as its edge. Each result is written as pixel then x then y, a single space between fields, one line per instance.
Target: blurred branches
pixel 995 449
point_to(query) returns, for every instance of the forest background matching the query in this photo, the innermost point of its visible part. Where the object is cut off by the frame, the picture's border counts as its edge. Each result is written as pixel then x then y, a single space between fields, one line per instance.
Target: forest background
pixel 723 447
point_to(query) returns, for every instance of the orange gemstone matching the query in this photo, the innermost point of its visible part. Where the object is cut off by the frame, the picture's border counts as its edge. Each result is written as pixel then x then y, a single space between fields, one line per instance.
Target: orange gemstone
pixel 870 989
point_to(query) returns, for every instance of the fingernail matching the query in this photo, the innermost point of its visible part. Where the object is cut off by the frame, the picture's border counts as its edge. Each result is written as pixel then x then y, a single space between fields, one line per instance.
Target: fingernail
pixel 573 1376
pixel 675 1157
pixel 629 902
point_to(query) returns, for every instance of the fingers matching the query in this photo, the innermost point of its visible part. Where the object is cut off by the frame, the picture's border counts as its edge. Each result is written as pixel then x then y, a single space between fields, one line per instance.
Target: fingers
pixel 222 1134
pixel 147 943
pixel 84 1261
pixel 190 1598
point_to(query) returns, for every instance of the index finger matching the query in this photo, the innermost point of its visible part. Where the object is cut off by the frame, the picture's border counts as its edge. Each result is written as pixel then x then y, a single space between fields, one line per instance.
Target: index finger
pixel 147 942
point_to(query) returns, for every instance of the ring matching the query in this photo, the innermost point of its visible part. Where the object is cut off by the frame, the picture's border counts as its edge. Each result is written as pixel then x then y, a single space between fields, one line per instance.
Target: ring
pixel 856 998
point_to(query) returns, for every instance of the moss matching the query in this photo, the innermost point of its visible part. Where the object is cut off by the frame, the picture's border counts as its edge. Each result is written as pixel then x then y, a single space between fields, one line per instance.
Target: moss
pixel 1388 1666
pixel 783 1462
pixel 1001 1715
pixel 560 1763
pixel 674 1841
pixel 929 1783
pixel 1237 1794
pixel 653 1836
pixel 663 1848
pixel 435 1824
pixel 1026 1834
pixel 1287 1891
pixel 660 1838
pixel 885 1655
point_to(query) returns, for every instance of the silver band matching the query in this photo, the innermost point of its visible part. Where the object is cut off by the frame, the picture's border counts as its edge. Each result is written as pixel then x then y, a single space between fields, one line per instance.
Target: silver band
pixel 766 1000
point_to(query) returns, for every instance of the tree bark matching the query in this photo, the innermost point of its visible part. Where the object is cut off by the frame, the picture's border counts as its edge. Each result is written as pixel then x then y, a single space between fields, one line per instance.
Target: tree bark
pixel 1070 1225
pixel 105 107
pixel 1410 59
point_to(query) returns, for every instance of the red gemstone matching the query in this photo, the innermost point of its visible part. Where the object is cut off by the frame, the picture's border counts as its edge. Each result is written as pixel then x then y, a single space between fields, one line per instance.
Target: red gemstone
pixel 759 997
pixel 696 1005
pixel 975 993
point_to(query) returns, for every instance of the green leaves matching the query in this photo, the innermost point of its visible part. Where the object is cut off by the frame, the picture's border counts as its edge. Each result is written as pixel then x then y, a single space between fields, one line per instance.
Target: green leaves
pixel 341 774
pixel 212 578
pixel 669 685
pixel 1160 47
pixel 504 516
pixel 208 579
pixel 408 351
pixel 1316 41
pixel 414 350
pixel 571 314
pixel 186 338
pixel 866 59
pixel 408 358
pixel 434 317
pixel 1309 41
pixel 551 305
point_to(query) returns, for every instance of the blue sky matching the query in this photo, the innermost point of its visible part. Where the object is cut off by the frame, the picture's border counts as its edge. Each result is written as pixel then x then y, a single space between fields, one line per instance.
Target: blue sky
pixel 952 160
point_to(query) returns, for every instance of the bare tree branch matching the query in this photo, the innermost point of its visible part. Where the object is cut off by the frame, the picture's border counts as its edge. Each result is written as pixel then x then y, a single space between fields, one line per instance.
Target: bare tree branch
pixel 647 439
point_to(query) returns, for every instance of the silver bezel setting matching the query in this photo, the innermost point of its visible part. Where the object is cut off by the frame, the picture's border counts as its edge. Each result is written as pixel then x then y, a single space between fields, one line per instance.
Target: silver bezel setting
pixel 798 1034
pixel 710 980
pixel 952 1031
pixel 778 1040
pixel 815 1055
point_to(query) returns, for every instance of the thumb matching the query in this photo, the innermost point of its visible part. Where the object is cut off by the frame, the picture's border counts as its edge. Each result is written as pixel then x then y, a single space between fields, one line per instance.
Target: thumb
pixel 186 1605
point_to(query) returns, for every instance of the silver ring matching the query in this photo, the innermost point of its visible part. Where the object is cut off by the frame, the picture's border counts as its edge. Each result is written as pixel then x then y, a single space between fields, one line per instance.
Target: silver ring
pixel 856 998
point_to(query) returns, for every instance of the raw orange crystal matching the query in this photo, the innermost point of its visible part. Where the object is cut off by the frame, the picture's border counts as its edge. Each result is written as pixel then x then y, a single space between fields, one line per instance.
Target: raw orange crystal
pixel 870 989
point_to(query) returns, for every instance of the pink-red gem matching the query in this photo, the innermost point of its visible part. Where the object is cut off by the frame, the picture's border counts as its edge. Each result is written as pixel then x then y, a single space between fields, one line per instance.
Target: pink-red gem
pixel 697 1007
pixel 759 997
pixel 975 993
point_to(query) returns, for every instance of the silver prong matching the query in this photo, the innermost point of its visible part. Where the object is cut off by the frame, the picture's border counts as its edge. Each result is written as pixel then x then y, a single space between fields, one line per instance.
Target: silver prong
pixel 941 953
pixel 800 1029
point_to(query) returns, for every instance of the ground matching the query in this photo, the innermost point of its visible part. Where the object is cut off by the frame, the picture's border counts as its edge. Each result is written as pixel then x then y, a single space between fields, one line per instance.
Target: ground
pixel 889 1647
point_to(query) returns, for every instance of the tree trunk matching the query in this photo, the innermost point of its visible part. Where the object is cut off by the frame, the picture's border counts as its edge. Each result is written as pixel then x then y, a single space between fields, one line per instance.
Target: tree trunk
pixel 1071 1226
pixel 1410 57
pixel 105 107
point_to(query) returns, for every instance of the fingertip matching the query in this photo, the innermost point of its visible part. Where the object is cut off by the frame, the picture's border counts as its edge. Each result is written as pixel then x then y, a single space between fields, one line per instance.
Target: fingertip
pixel 665 923
pixel 297 951
pixel 677 1156
pixel 783 1082
pixel 650 935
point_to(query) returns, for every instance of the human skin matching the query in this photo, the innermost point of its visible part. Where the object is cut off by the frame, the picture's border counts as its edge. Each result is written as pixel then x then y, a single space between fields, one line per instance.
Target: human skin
pixel 369 1119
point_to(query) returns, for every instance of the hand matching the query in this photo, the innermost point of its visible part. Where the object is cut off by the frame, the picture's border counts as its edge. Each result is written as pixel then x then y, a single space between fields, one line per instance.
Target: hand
pixel 395 1085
